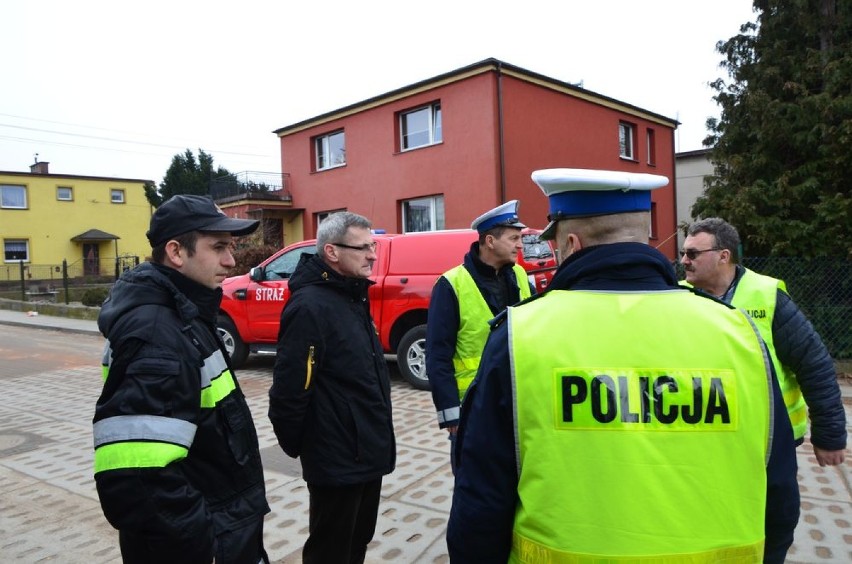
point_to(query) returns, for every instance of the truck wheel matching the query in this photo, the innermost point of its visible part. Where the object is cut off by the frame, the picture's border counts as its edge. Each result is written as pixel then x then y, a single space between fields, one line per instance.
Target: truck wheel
pixel 411 357
pixel 237 349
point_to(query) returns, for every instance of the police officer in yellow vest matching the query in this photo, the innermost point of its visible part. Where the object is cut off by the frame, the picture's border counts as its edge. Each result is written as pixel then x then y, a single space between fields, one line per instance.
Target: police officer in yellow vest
pixel 806 372
pixel 463 300
pixel 600 428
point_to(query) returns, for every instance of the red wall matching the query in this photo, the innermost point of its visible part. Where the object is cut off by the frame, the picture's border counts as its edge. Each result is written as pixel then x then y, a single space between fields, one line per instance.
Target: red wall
pixel 549 129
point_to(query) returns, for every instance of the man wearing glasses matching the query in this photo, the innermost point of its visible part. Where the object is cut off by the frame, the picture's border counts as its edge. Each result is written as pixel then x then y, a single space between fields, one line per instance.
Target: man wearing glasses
pixel 330 401
pixel 803 365
pixel 463 300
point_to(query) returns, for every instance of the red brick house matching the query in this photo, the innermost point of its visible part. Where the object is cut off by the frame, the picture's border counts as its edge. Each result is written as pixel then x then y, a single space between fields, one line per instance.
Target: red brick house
pixel 437 153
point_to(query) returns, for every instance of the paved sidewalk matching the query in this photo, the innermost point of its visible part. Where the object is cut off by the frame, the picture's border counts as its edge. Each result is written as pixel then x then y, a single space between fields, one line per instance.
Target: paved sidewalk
pixel 49 508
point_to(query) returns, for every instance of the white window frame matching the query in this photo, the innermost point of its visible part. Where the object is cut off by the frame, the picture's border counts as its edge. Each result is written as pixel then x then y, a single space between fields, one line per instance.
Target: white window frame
pixel 626 140
pixel 8 193
pixel 119 192
pixel 432 134
pixel 7 242
pixel 326 154
pixel 70 193
pixel 434 207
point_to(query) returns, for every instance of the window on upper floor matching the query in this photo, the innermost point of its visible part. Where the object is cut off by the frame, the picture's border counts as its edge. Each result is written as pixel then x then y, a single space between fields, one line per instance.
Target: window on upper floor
pixel 13 197
pixel 423 214
pixel 64 193
pixel 420 127
pixel 651 143
pixel 330 150
pixel 116 195
pixel 16 250
pixel 626 140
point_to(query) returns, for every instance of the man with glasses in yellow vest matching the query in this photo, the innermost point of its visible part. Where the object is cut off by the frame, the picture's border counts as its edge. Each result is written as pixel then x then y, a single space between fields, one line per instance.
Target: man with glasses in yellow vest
pixel 463 300
pixel 804 367
pixel 600 428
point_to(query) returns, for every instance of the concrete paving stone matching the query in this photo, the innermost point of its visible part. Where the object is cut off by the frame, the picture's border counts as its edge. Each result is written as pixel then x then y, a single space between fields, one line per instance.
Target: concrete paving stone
pixel 286 527
pixel 12 417
pixel 816 482
pixel 49 524
pixel 824 532
pixel 405 530
pixel 434 491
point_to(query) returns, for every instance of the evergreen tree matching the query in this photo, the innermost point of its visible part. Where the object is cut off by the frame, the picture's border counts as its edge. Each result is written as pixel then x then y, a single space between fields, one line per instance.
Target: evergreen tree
pixel 782 148
pixel 186 176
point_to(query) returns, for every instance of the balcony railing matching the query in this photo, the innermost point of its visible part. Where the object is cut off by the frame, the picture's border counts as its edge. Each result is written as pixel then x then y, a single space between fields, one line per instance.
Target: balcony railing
pixel 251 185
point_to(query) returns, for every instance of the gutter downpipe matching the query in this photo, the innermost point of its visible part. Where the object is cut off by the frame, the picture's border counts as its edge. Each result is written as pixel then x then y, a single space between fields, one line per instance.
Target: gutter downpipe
pixel 502 148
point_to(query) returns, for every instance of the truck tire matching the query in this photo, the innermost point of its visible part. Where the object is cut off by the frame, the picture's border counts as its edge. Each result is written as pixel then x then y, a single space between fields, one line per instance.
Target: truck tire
pixel 411 358
pixel 237 349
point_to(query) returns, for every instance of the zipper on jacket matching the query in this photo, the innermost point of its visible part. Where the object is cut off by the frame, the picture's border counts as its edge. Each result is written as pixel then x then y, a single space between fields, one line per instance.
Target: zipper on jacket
pixel 310 367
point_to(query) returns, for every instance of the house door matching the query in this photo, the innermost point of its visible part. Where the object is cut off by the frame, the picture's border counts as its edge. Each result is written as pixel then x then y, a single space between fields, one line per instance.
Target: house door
pixel 91 260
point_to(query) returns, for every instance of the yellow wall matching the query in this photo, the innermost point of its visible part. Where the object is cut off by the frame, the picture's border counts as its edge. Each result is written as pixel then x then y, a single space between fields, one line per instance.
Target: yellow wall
pixel 50 224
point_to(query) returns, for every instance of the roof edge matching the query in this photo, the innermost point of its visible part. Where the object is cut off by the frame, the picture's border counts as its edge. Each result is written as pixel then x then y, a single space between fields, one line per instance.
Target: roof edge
pixel 485 65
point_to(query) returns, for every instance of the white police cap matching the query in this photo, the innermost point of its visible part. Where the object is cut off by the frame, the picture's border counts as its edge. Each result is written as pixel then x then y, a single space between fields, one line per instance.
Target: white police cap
pixel 505 214
pixel 578 192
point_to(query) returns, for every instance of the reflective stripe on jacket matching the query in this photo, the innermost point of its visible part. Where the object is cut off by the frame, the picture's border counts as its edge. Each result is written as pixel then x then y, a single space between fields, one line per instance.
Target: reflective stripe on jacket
pixel 636 440
pixel 756 295
pixel 146 441
pixel 474 314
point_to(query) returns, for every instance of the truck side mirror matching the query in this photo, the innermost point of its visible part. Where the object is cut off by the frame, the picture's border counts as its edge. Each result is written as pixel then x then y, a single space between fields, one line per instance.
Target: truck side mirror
pixel 256 274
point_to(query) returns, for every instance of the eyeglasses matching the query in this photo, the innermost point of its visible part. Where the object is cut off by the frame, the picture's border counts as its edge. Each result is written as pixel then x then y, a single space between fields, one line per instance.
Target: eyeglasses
pixel 691 254
pixel 366 247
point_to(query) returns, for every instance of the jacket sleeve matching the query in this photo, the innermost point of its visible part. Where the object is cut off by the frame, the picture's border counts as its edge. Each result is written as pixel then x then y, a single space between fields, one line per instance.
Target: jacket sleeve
pixel 782 487
pixel 800 348
pixel 485 492
pixel 150 391
pixel 441 333
pixel 300 346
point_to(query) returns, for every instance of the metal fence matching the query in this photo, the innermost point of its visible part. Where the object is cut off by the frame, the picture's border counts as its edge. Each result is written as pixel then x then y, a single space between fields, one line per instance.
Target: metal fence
pixel 36 281
pixel 822 288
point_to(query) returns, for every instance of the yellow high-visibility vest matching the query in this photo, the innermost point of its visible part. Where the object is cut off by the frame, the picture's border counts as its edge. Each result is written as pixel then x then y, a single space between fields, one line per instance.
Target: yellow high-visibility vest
pixel 639 437
pixel 474 315
pixel 756 294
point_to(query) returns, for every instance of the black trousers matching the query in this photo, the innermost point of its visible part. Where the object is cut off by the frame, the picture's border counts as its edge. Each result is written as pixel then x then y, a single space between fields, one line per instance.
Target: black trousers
pixel 342 522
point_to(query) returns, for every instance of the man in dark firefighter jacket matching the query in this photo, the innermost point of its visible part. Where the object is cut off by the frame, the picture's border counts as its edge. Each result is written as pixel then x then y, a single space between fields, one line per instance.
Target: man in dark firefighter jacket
pixel 177 464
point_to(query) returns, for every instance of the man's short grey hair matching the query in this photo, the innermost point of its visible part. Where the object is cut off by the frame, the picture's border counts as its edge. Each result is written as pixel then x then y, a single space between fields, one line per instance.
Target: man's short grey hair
pixel 334 227
pixel 725 234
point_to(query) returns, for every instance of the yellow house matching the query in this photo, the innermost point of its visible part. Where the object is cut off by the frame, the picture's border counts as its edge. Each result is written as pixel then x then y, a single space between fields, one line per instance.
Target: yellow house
pixel 96 224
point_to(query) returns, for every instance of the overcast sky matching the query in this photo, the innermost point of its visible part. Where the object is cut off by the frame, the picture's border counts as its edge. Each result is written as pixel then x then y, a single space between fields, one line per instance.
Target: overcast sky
pixel 112 88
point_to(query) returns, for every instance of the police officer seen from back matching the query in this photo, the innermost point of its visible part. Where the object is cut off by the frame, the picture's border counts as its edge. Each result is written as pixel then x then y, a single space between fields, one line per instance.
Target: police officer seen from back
pixel 600 428
pixel 177 464
pixel 463 300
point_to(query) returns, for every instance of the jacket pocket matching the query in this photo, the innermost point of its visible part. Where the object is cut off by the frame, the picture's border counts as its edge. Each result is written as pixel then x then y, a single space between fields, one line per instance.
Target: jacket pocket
pixel 241 439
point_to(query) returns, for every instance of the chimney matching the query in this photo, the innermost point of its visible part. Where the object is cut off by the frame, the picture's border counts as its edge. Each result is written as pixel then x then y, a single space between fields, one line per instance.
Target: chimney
pixel 39 168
